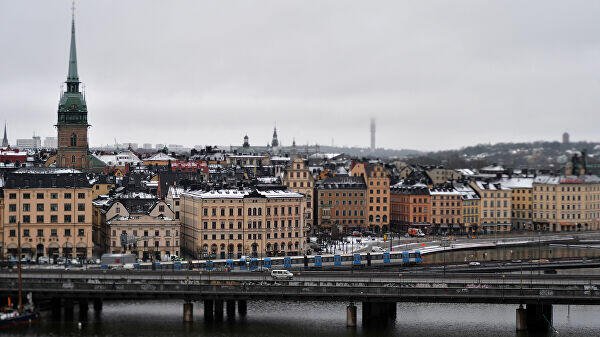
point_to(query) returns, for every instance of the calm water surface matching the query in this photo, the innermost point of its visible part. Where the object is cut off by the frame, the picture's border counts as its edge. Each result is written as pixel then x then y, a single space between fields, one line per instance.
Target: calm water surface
pixel 133 319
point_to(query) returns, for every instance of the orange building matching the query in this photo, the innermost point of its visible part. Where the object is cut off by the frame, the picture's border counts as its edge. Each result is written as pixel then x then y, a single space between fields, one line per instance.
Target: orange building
pixel 377 179
pixel 410 206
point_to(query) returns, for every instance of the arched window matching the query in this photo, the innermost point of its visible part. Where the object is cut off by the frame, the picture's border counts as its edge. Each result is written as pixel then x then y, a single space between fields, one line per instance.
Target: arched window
pixel 73 159
pixel 73 140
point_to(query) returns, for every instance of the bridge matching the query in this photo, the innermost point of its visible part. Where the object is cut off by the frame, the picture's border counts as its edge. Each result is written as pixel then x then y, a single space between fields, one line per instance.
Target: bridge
pixel 378 292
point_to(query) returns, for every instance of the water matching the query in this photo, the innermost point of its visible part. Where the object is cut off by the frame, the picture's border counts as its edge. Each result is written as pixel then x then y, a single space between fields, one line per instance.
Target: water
pixel 164 319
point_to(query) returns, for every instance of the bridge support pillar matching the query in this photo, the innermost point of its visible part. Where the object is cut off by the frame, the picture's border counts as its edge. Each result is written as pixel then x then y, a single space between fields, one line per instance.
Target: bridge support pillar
pixel 83 309
pixel 242 308
pixel 55 307
pixel 97 304
pixel 539 317
pixel 188 312
pixel 69 308
pixel 209 310
pixel 378 313
pixel 219 310
pixel 521 318
pixel 351 315
pixel 230 310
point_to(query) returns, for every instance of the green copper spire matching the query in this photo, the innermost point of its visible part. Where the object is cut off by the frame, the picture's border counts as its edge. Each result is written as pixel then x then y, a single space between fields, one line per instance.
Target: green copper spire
pixel 73 77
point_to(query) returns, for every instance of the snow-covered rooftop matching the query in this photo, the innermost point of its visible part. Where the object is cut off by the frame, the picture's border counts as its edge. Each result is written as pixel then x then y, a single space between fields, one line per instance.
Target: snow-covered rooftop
pixel 239 194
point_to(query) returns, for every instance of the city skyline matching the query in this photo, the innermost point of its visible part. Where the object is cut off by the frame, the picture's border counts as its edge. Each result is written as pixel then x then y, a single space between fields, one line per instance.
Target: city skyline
pixel 334 70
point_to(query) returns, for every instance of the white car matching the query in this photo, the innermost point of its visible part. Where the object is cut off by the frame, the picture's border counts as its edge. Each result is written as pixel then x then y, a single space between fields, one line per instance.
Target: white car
pixel 474 264
pixel 281 275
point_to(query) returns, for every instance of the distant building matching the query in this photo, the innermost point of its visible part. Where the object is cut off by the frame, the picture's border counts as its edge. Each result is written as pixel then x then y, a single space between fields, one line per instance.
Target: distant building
pixel 34 142
pixel 159 146
pixel 377 179
pixel 147 146
pixel 50 143
pixel 565 138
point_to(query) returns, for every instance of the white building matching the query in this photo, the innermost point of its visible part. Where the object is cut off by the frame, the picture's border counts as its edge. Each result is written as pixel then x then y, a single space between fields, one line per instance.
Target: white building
pixel 34 142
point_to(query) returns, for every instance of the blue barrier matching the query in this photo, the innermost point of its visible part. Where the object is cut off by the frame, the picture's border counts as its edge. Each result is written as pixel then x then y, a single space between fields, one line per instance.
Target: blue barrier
pixel 287 262
pixel 243 264
pixel 337 260
pixel 253 263
pixel 356 260
pixel 267 263
pixel 386 257
pixel 230 264
pixel 405 257
pixel 209 265
pixel 318 261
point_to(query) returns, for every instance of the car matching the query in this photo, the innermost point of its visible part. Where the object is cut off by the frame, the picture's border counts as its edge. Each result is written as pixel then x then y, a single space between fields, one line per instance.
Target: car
pixel 261 269
pixel 281 274
pixel 474 264
pixel 129 266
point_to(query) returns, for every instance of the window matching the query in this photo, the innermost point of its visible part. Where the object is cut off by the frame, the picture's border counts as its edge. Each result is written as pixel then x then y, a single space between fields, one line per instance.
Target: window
pixel 81 218
pixel 26 196
pixel 12 207
pixel 26 207
pixel 67 218
pixel 39 219
pixel 67 207
pixel 40 207
pixel 67 195
pixel 161 208
pixel 54 218
pixel 81 207
pixel 26 219
pixel 80 195
pixel 81 232
pixel 67 232
pixel 12 233
pixel 39 195
pixel 53 232
pixel 26 233
pixel 12 196
pixel 73 142
pixel 157 233
pixel 12 219
pixel 40 232
pixel 53 195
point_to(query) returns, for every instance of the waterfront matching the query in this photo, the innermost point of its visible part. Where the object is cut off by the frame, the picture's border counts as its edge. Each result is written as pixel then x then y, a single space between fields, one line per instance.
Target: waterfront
pixel 133 319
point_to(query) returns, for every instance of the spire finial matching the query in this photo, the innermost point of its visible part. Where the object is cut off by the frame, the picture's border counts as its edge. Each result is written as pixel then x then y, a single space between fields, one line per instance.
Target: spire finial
pixel 73 77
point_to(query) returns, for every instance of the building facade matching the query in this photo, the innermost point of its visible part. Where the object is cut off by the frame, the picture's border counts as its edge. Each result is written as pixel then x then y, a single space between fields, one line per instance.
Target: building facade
pixel 297 178
pixel 377 179
pixel 52 208
pixel 341 203
pixel 566 203
pixel 496 206
pixel 446 210
pixel 235 223
pixel 410 206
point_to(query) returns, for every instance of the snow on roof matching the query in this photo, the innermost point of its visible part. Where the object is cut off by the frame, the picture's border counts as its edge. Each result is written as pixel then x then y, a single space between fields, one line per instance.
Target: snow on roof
pixel 175 191
pixel 46 170
pixel 324 155
pixel 160 157
pixel 466 172
pixel 240 194
pixel 490 187
pixel 555 180
pixel 278 158
pixel 513 183
pixel 267 180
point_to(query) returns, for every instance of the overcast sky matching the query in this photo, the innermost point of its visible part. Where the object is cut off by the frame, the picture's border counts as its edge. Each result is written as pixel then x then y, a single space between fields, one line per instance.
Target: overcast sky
pixel 434 74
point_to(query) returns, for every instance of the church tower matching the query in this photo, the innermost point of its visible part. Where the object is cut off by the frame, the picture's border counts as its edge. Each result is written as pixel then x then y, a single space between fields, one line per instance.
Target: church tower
pixel 72 123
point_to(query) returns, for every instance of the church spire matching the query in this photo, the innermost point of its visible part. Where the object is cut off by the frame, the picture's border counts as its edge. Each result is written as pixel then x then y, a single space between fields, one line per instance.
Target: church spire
pixel 5 139
pixel 73 77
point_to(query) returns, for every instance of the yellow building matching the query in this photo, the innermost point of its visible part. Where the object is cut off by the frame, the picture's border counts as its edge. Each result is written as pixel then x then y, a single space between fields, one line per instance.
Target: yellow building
pixel 235 223
pixel 377 179
pixel 566 203
pixel 54 210
pixel 521 202
pixel 297 178
pixel 495 207
pixel 102 186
